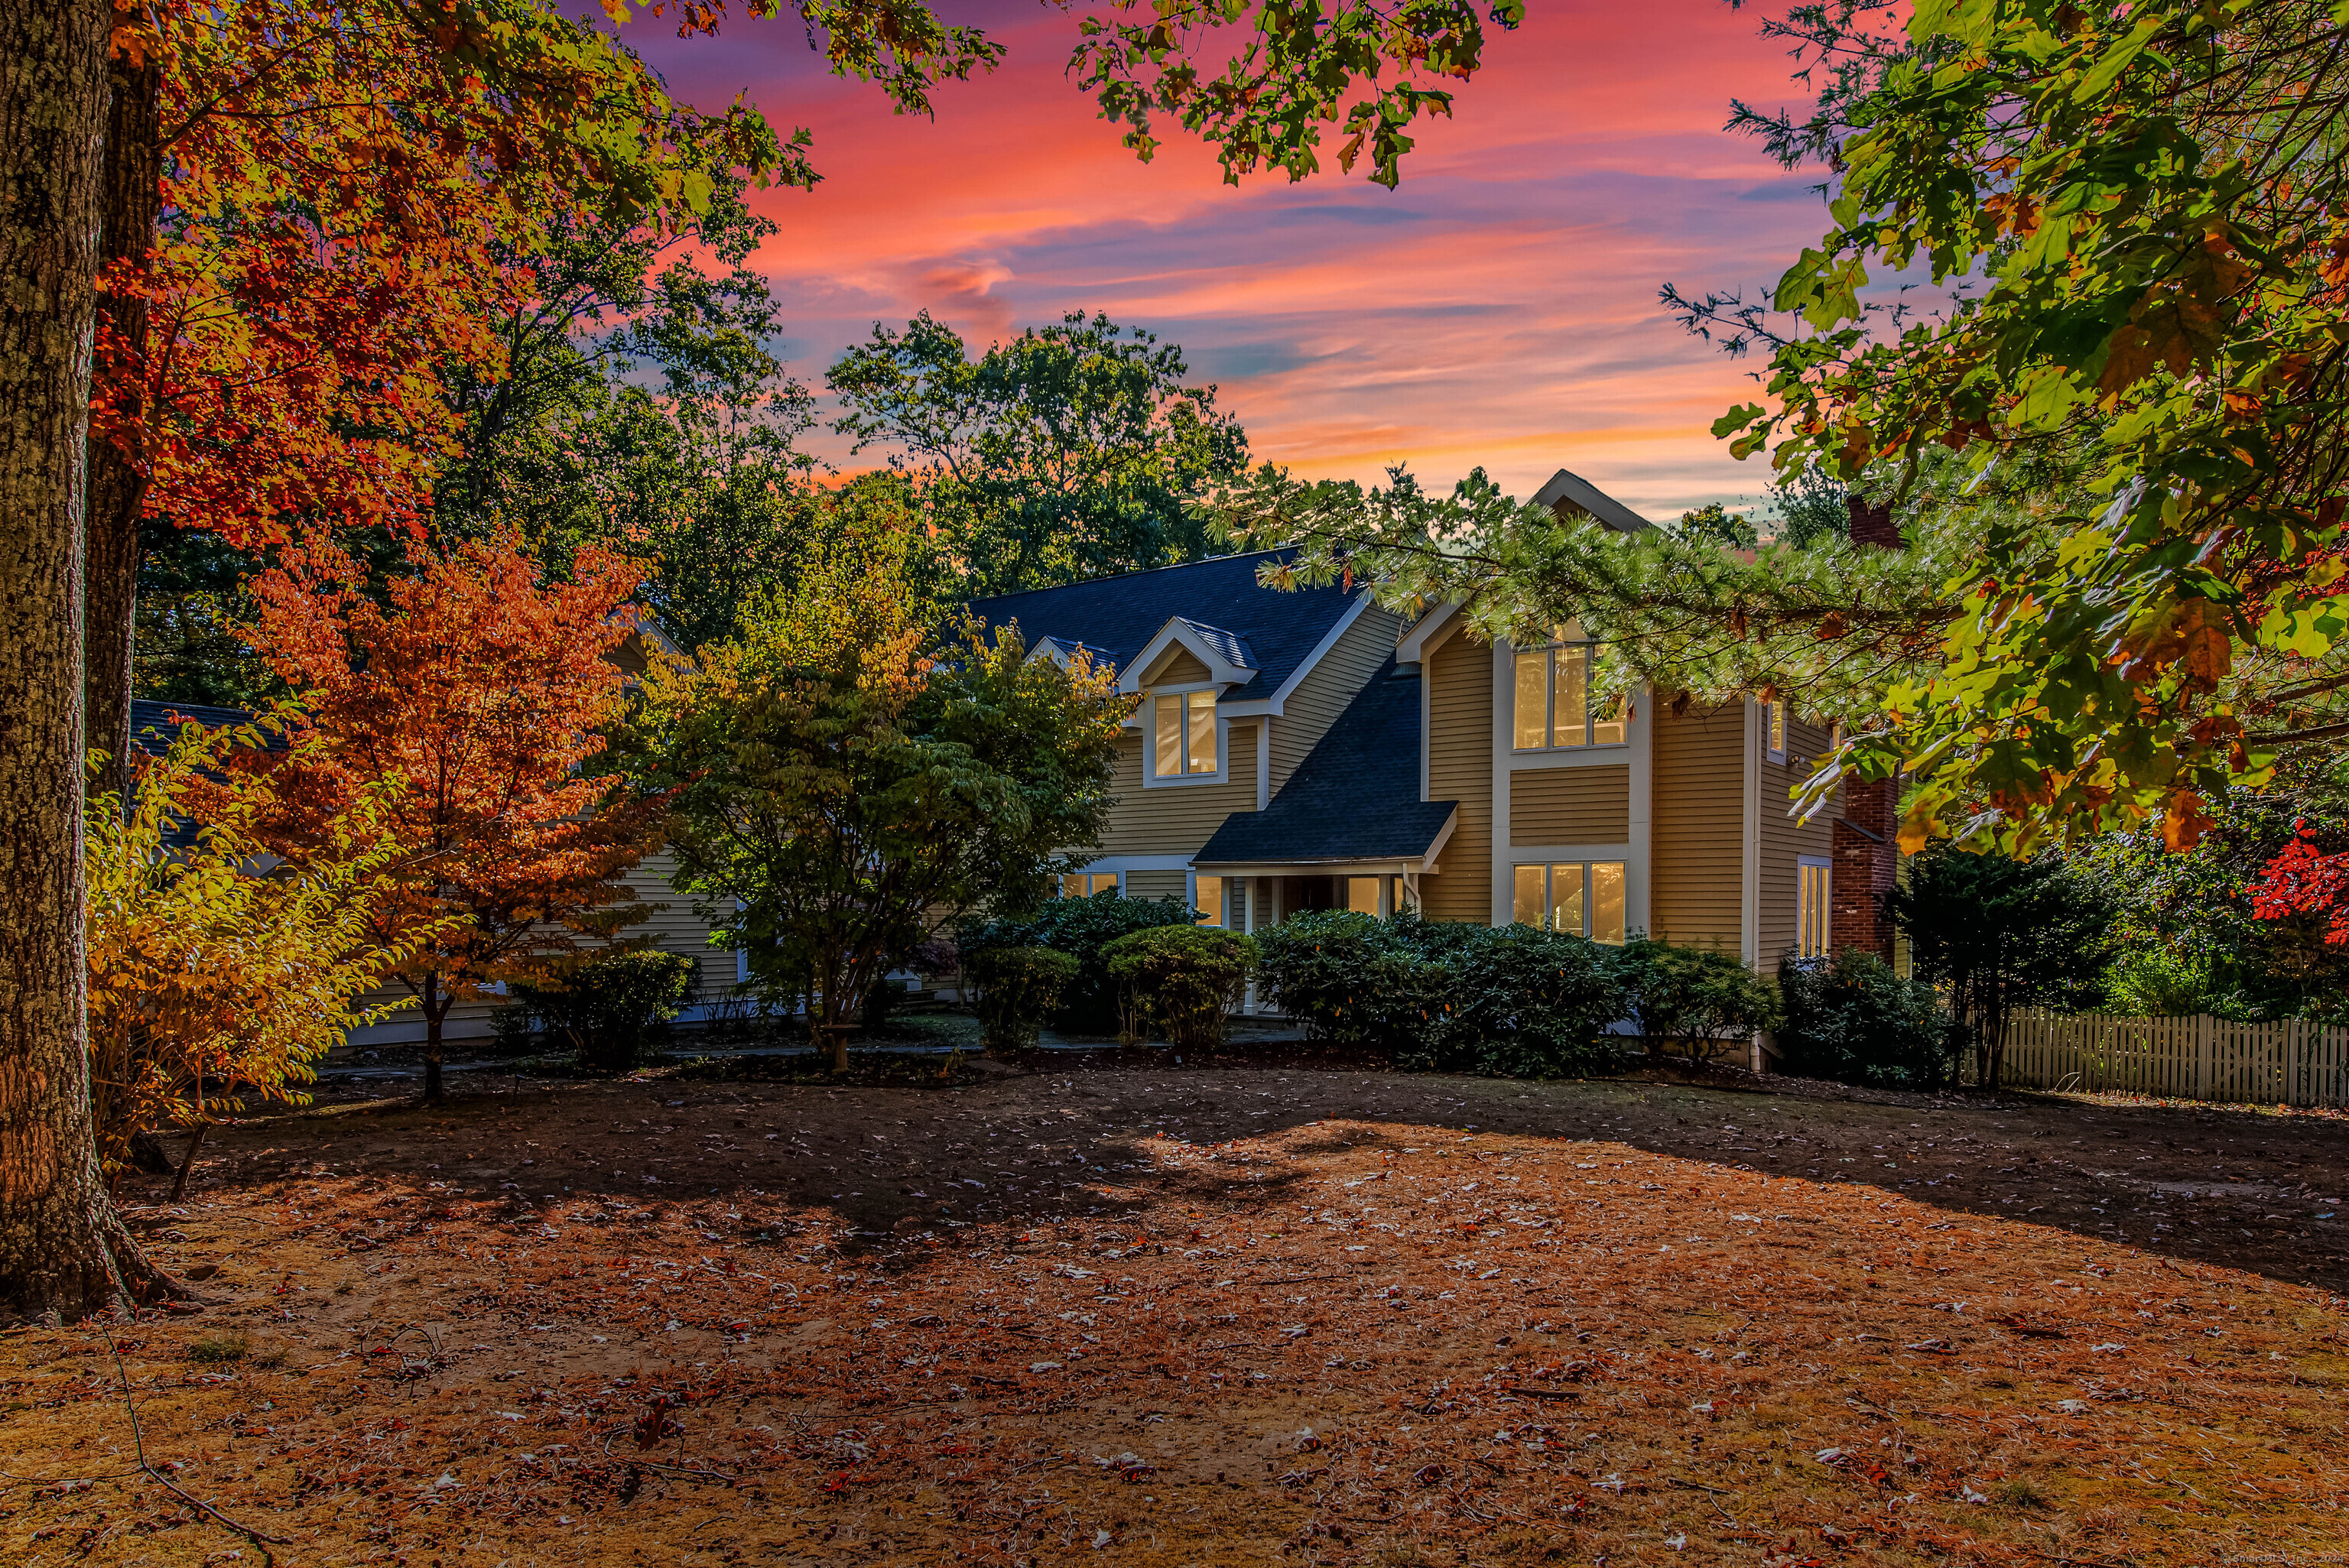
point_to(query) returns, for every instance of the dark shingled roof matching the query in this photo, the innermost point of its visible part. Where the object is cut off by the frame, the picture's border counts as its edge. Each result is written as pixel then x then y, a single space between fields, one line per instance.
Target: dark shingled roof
pixel 1356 795
pixel 1119 615
pixel 155 725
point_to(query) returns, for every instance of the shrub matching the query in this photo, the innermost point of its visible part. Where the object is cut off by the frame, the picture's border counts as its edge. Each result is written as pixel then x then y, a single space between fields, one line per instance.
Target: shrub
pixel 879 1007
pixel 611 1008
pixel 1430 994
pixel 1852 1019
pixel 1183 979
pixel 1083 928
pixel 1019 987
pixel 1705 1002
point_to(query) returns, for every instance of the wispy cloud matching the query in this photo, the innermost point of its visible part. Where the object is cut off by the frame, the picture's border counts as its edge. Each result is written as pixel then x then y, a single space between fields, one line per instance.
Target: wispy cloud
pixel 1499 310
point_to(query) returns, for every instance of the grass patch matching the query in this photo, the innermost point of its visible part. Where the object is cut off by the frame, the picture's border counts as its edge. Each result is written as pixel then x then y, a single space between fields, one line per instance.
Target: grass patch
pixel 219 1347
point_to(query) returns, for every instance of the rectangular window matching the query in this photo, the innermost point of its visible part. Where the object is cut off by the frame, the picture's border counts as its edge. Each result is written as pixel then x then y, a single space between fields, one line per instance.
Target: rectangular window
pixel 1813 932
pixel 1207 897
pixel 1773 719
pixel 1362 894
pixel 1185 731
pixel 1084 885
pixel 1553 703
pixel 1583 897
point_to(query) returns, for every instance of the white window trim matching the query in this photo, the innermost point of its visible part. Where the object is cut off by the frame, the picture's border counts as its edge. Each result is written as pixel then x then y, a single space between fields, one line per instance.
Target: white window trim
pixel 1609 854
pixel 1150 778
pixel 1549 705
pixel 1097 871
pixel 1191 895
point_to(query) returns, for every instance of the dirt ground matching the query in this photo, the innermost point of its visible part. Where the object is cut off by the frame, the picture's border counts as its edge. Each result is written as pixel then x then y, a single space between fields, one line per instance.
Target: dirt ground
pixel 1237 1315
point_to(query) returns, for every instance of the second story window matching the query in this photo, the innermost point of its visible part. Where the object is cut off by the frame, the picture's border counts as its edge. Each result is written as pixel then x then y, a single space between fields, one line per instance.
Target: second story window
pixel 1555 704
pixel 1184 733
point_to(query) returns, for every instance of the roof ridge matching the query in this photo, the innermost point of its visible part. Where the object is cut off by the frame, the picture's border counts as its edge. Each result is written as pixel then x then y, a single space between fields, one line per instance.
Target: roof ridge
pixel 1137 572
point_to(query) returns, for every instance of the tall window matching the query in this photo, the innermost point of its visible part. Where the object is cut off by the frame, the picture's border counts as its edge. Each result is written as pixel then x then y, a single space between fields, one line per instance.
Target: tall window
pixel 1584 898
pixel 1186 733
pixel 1555 706
pixel 1813 934
pixel 1773 721
pixel 1208 898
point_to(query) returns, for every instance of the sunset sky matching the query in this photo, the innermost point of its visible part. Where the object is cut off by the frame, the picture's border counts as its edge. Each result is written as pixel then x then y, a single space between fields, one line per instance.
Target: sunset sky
pixel 1499 309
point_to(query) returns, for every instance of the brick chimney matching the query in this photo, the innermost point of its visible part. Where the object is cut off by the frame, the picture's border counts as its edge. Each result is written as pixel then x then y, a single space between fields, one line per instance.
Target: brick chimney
pixel 1867 853
pixel 1871 524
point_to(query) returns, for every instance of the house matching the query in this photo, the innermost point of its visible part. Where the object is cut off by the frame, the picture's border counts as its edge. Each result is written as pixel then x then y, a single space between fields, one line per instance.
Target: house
pixel 1309 749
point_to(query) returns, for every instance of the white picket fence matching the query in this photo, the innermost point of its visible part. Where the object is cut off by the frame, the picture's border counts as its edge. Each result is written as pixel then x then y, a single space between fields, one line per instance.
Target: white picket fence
pixel 2286 1063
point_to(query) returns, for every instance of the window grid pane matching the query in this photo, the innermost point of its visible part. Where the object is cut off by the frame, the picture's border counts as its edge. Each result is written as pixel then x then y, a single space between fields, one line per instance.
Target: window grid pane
pixel 1533 700
pixel 1209 900
pixel 1203 731
pixel 1527 909
pixel 1169 760
pixel 1570 708
pixel 1606 902
pixel 1565 899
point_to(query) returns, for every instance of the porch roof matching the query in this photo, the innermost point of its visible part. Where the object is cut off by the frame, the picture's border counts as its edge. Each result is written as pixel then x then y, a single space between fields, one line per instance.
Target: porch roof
pixel 1353 801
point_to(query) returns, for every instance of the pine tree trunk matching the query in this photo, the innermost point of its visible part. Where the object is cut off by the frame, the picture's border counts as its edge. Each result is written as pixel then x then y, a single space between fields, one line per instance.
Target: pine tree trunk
pixel 60 1244
pixel 435 1010
pixel 118 480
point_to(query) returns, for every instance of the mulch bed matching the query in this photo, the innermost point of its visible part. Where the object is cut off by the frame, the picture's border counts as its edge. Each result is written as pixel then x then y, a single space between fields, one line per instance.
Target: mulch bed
pixel 1270 1315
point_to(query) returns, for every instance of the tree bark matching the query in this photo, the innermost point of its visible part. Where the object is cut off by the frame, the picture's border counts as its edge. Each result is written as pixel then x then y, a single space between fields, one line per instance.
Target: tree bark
pixel 435 1010
pixel 61 1248
pixel 117 478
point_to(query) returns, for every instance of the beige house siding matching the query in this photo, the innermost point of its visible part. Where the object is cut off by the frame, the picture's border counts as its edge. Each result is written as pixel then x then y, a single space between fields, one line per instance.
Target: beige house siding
pixel 1460 767
pixel 1696 826
pixel 1783 838
pixel 1156 884
pixel 1182 668
pixel 1570 806
pixel 1329 686
pixel 674 928
pixel 1177 818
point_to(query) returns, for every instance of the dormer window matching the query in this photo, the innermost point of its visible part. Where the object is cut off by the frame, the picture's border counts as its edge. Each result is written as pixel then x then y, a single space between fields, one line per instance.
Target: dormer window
pixel 1184 733
pixel 1554 704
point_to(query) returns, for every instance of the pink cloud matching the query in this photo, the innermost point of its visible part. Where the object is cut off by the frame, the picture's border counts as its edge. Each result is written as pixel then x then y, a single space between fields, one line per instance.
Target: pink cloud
pixel 1499 310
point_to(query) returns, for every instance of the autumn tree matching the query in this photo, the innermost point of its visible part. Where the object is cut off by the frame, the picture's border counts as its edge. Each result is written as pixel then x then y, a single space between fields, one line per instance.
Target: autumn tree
pixel 844 779
pixel 1066 453
pixel 212 987
pixel 487 691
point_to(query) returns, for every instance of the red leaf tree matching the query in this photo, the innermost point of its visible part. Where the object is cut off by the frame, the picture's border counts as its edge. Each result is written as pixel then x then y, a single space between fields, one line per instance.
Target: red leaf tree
pixel 487 691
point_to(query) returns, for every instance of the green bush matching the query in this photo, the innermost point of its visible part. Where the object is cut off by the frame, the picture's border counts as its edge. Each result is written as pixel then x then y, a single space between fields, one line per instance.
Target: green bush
pixel 1854 1020
pixel 1081 928
pixel 1438 993
pixel 1182 979
pixel 1703 1002
pixel 610 1007
pixel 1019 987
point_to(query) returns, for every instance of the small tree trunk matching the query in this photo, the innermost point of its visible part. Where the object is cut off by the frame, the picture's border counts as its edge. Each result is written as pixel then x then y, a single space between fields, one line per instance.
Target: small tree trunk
pixel 118 480
pixel 435 1010
pixel 188 1162
pixel 61 1247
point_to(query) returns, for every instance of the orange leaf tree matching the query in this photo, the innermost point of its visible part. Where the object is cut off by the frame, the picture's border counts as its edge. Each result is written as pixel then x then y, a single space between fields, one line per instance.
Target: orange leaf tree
pixel 487 690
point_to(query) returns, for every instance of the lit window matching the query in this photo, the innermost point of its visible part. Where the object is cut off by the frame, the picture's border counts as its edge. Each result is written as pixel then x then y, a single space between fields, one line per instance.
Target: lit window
pixel 1186 733
pixel 1555 706
pixel 1581 897
pixel 1084 885
pixel 1208 898
pixel 1773 718
pixel 1362 894
pixel 1812 931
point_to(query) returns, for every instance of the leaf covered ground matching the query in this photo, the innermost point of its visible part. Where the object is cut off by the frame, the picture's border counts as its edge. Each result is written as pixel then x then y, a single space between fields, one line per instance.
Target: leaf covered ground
pixel 1238 1315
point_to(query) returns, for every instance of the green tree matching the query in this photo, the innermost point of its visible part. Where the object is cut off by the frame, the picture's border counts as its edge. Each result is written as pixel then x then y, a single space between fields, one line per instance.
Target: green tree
pixel 1069 452
pixel 1997 934
pixel 838 790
